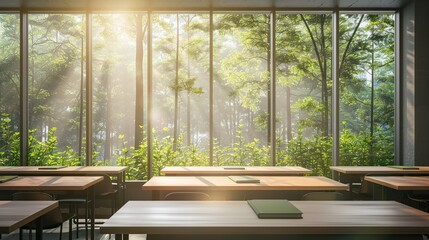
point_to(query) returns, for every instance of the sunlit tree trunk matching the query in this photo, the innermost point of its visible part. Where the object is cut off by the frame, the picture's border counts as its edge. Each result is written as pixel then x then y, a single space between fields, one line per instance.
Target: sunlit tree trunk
pixel 139 111
pixel 105 79
pixel 371 131
pixel 267 20
pixel 288 115
pixel 176 90
pixel 188 115
pixel 81 104
pixel 324 70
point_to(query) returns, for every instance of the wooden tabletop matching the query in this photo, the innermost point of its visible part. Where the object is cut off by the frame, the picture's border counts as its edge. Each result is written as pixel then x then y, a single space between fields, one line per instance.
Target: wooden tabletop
pixel 378 169
pixel 75 170
pixel 48 183
pixel 236 170
pixel 401 182
pixel 201 183
pixel 15 214
pixel 237 217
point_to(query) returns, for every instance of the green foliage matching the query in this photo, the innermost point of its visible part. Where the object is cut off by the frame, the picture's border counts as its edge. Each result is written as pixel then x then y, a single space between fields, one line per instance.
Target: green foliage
pixel 314 153
pixel 40 153
pixel 241 153
pixel 9 143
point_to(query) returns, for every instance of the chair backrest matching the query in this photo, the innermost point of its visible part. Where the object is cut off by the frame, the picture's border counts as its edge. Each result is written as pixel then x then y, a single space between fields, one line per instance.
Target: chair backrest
pixel 184 196
pixel 105 187
pixel 27 196
pixel 49 220
pixel 324 196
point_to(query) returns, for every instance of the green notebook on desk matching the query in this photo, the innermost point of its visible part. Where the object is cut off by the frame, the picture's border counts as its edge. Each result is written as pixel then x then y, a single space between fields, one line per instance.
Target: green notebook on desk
pixel 5 178
pixel 274 208
pixel 51 167
pixel 405 167
pixel 244 179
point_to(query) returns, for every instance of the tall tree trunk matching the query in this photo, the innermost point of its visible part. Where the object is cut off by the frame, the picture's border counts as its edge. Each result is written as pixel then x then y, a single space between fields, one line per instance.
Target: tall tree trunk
pixel 325 93
pixel 81 104
pixel 188 118
pixel 288 116
pixel 269 82
pixel 139 109
pixel 176 88
pixel 188 115
pixel 105 80
pixel 371 131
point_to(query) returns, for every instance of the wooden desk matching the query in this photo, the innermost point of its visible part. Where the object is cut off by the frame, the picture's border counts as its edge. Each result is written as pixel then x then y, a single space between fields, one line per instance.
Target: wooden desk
pixel 355 174
pixel 211 170
pixel 223 183
pixel 57 183
pixel 15 214
pixel 388 187
pixel 235 219
pixel 401 183
pixel 116 171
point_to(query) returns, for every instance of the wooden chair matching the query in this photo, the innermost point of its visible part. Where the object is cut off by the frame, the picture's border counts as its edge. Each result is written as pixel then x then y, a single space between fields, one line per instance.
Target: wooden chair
pixel 421 199
pixel 50 220
pixel 187 196
pixel 103 190
pixel 323 196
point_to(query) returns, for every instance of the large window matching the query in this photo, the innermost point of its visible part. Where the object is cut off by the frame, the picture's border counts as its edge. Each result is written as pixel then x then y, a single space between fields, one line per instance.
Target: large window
pixel 304 83
pixel 199 114
pixel 55 43
pixel 114 84
pixel 241 89
pixel 180 89
pixel 9 89
pixel 367 89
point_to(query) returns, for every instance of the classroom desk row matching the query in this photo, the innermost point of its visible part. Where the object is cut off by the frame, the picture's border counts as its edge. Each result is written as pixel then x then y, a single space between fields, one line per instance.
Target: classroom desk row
pixel 117 172
pixel 234 170
pixel 67 179
pixel 57 183
pixel 226 188
pixel 356 174
pixel 231 220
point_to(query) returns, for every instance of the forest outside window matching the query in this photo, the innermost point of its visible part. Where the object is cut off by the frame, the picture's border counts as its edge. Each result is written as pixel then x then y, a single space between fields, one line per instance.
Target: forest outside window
pixel 181 48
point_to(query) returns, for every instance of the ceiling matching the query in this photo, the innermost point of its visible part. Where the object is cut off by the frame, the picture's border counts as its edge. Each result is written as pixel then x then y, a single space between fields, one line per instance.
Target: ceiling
pixel 165 5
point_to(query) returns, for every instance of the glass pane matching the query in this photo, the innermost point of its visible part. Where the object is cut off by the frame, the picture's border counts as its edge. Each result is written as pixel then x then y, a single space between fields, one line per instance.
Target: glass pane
pixel 55 86
pixel 9 90
pixel 241 89
pixel 303 100
pixel 367 89
pixel 180 90
pixel 117 120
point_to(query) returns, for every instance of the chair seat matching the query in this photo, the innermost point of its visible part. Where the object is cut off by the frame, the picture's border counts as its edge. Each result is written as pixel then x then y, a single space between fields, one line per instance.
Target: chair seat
pixel 421 199
pixel 49 224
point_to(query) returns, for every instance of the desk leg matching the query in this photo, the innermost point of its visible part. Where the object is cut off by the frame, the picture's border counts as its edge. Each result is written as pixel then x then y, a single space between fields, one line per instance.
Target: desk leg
pixel 39 229
pixel 87 214
pixel 123 189
pixel 92 194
